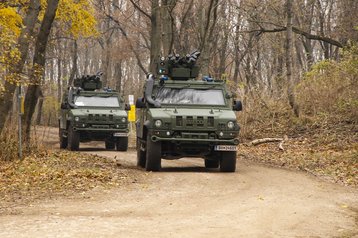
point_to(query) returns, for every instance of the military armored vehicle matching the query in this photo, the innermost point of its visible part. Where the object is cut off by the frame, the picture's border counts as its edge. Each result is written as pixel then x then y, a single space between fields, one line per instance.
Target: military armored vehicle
pixel 90 113
pixel 181 116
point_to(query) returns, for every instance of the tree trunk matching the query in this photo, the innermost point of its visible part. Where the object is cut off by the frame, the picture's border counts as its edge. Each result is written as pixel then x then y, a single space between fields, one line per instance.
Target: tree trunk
pixel 74 63
pixel 59 72
pixel 118 75
pixel 34 90
pixel 289 47
pixel 167 25
pixel 154 36
pixel 6 101
pixel 210 20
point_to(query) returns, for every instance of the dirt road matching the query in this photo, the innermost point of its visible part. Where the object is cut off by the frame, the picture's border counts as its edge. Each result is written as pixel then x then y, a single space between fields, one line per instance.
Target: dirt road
pixel 184 200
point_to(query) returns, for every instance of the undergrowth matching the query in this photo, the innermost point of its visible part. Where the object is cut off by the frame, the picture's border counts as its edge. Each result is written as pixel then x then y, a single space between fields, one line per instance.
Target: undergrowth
pixel 323 140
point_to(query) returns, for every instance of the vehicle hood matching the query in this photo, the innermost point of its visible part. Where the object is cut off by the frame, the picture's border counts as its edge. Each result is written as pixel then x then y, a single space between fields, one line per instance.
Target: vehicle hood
pixel 167 113
pixel 102 111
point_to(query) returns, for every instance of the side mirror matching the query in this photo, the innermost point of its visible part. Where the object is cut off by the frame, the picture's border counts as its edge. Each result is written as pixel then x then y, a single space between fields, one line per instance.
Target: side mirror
pixel 140 103
pixel 237 106
pixel 127 107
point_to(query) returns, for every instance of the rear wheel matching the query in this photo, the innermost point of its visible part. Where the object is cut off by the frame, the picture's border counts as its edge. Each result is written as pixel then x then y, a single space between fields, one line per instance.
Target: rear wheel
pixel 73 139
pixel 109 145
pixel 153 154
pixel 141 159
pixel 122 144
pixel 63 139
pixel 228 161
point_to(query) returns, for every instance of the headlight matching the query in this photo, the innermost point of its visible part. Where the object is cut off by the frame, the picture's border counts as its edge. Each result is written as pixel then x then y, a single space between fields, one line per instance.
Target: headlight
pixel 230 125
pixel 77 119
pixel 158 123
pixel 124 120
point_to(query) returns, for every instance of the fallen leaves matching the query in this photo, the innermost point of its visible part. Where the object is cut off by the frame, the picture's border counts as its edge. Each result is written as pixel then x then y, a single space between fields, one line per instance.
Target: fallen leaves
pixel 336 163
pixel 48 173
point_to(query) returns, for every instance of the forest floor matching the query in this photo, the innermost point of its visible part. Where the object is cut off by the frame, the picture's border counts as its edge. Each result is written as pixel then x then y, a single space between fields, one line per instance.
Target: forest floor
pixel 99 193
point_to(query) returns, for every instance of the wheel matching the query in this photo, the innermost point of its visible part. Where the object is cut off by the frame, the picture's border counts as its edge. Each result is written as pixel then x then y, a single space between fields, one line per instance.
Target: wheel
pixel 73 139
pixel 228 161
pixel 122 144
pixel 109 145
pixel 141 159
pixel 153 154
pixel 211 164
pixel 63 140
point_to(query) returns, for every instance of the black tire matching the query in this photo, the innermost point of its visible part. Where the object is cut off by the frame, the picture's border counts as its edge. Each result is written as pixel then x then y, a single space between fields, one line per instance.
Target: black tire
pixel 141 155
pixel 109 145
pixel 63 140
pixel 228 161
pixel 73 139
pixel 211 164
pixel 122 144
pixel 153 154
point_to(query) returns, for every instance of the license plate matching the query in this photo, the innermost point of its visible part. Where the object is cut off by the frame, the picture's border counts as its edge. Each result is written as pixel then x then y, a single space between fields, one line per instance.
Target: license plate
pixel 120 134
pixel 225 148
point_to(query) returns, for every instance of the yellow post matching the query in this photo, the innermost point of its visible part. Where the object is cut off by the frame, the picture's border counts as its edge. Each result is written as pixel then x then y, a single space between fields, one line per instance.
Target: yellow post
pixel 131 114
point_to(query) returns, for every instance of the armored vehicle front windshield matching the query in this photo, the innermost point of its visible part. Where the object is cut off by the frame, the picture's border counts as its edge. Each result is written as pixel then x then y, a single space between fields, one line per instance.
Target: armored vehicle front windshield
pixel 95 101
pixel 190 96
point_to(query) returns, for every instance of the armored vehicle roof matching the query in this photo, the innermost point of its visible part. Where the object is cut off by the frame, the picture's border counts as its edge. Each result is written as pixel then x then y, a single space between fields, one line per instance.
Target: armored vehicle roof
pixel 89 82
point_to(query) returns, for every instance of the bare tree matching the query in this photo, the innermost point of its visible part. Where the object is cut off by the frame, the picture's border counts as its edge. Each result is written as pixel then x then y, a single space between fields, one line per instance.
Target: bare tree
pixel 289 46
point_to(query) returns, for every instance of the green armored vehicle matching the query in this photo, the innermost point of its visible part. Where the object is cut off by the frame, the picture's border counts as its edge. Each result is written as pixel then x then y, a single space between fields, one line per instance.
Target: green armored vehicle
pixel 183 117
pixel 89 113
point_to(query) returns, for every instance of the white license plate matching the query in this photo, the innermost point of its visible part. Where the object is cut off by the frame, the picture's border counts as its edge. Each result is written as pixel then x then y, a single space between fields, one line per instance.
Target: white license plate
pixel 120 134
pixel 225 148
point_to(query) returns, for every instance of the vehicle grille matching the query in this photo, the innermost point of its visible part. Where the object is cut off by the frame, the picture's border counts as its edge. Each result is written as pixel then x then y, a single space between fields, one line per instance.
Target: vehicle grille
pixel 191 121
pixel 101 126
pixel 100 117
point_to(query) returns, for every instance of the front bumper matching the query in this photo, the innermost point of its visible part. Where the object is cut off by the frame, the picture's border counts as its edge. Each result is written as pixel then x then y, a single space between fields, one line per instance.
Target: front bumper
pixel 189 140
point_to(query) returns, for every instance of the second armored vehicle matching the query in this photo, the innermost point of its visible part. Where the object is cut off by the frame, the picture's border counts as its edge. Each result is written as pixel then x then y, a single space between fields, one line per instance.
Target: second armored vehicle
pixel 89 113
pixel 184 117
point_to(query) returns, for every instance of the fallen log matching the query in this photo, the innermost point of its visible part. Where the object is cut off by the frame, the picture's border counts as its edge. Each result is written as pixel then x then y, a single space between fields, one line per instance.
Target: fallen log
pixel 264 140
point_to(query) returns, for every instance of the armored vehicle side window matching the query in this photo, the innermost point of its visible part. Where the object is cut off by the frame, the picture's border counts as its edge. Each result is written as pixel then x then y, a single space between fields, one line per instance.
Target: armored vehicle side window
pixel 94 101
pixel 190 96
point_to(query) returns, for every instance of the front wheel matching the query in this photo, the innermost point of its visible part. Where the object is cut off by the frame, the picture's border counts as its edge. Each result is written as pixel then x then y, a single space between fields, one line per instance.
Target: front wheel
pixel 63 139
pixel 153 154
pixel 228 161
pixel 122 144
pixel 109 145
pixel 211 164
pixel 73 139
pixel 141 155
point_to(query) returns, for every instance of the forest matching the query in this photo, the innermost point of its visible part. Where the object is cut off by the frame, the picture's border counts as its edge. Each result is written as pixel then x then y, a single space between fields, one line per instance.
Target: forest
pixel 293 63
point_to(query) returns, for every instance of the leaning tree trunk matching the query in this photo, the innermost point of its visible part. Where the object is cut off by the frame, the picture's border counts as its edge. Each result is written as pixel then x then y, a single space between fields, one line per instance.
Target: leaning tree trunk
pixel 289 46
pixel 23 45
pixel 34 90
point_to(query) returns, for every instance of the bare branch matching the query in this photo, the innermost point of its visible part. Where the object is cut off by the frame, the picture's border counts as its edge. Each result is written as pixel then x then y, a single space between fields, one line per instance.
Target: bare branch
pixel 124 33
pixel 136 6
pixel 300 32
